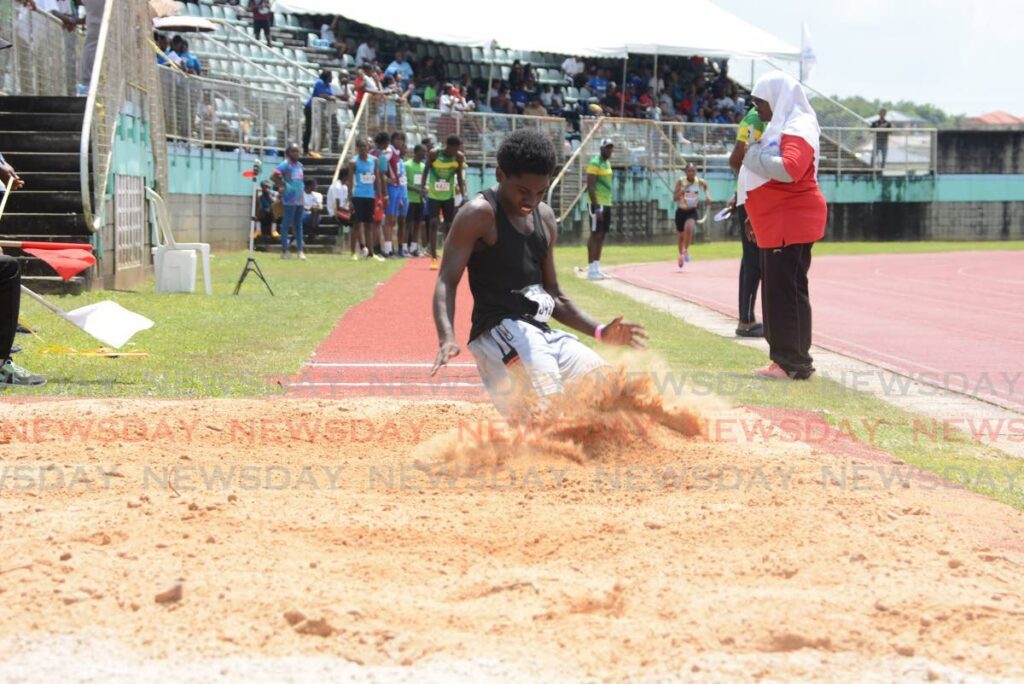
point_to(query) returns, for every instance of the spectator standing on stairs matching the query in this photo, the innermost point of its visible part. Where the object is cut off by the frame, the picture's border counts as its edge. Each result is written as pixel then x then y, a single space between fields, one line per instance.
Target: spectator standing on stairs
pixel 321 89
pixel 93 22
pixel 366 53
pixel 881 149
pixel 262 18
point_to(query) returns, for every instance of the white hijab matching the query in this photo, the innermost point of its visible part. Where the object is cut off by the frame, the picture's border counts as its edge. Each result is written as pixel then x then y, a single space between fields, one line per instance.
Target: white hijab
pixel 792 114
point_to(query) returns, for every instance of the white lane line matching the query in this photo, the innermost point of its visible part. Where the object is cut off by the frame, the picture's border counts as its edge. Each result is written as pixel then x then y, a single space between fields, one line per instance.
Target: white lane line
pixel 326 364
pixel 435 385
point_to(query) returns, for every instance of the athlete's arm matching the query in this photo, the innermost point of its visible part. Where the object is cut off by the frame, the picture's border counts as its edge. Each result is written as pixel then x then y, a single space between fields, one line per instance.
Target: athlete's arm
pixel 678 193
pixel 470 225
pixel 736 158
pixel 566 312
pixel 426 170
pixel 461 176
pixel 350 179
pixel 591 189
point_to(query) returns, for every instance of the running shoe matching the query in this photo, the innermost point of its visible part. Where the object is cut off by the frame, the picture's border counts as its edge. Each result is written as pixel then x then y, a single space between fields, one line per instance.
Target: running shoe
pixel 15 349
pixel 681 262
pixel 434 265
pixel 415 253
pixel 687 255
pixel 379 257
pixel 773 372
pixel 16 376
pixel 756 330
pixel 275 235
pixel 596 275
pixel 302 256
pixel 355 257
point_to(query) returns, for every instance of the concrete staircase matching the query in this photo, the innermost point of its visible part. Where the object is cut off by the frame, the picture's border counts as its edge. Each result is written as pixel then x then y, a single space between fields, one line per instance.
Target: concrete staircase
pixel 40 137
pixel 326 235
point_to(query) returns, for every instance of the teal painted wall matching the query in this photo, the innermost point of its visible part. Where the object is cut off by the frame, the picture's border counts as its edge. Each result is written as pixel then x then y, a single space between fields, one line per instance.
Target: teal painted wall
pixel 193 171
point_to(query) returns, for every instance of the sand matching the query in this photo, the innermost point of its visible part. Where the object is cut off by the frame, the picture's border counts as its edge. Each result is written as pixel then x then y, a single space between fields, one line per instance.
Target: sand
pixel 160 540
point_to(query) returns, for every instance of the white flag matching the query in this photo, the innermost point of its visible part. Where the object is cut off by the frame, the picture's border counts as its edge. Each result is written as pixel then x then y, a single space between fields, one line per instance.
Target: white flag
pixel 808 60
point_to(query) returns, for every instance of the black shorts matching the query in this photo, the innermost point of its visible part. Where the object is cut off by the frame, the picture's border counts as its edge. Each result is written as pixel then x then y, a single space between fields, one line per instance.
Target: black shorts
pixel 602 223
pixel 362 209
pixel 415 214
pixel 437 206
pixel 684 215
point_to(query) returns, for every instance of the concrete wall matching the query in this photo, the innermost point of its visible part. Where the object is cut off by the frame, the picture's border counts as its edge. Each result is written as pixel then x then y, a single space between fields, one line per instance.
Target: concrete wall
pixel 981 151
pixel 221 220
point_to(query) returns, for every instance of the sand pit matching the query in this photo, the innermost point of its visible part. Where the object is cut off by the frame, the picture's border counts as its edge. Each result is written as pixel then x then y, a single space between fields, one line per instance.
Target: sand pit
pixel 299 539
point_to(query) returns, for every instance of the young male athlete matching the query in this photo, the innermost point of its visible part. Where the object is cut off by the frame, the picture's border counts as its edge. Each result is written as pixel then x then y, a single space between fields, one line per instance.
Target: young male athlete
pixel 505 238
pixel 362 184
pixel 414 219
pixel 687 198
pixel 398 194
pixel 599 190
pixel 441 178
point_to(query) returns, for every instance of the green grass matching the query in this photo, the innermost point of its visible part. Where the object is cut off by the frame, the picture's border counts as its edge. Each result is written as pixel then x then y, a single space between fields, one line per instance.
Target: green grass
pixel 699 359
pixel 615 255
pixel 217 346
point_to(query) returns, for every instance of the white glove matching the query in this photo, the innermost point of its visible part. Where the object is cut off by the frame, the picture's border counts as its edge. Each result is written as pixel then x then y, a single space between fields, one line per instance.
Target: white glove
pixel 765 161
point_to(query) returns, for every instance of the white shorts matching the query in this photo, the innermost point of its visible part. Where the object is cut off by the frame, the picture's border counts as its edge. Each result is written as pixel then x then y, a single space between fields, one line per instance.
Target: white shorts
pixel 517 359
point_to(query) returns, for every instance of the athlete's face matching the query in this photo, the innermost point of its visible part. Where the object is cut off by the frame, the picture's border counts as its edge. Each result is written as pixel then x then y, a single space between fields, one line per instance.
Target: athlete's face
pixel 606 151
pixel 522 193
pixel 691 173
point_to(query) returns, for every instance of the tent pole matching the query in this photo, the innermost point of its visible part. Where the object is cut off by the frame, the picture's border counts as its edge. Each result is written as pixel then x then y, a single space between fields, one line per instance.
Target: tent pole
pixel 622 87
pixel 490 81
pixel 751 74
pixel 656 93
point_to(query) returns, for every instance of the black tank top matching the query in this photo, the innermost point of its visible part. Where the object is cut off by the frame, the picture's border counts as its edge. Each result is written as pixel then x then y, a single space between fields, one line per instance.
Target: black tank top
pixel 513 262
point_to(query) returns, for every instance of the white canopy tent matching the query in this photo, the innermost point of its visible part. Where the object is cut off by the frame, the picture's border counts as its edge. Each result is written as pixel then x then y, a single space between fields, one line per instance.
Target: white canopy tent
pixel 694 27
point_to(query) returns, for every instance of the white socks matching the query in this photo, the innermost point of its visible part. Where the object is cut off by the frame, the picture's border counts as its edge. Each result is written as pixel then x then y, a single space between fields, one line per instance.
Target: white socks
pixel 414 246
pixel 387 246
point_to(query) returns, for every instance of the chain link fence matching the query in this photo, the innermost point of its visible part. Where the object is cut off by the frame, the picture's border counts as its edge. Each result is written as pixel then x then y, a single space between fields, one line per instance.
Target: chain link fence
pixel 43 57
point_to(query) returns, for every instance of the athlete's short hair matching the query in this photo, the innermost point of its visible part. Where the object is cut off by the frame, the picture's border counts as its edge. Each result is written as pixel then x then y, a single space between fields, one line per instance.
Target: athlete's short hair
pixel 397 135
pixel 453 141
pixel 419 148
pixel 526 151
pixel 381 139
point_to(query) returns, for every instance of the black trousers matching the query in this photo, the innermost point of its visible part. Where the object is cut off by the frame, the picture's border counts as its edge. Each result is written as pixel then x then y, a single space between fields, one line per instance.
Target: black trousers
pixel 786 307
pixel 750 273
pixel 10 301
pixel 307 129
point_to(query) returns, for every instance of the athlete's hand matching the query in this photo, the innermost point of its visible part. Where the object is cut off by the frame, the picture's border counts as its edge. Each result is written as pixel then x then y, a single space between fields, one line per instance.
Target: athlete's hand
pixel 624 334
pixel 448 351
pixel 750 230
pixel 10 177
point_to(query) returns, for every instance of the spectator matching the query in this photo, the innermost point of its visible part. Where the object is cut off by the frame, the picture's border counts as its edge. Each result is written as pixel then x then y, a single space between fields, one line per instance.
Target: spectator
pixel 535 108
pixel 546 96
pixel 165 48
pixel 516 75
pixel 93 22
pixel 645 101
pixel 288 177
pixel 612 100
pixel 262 18
pixel 189 62
pixel 341 89
pixel 557 101
pixel 366 53
pixel 519 98
pixel 322 90
pixel 502 103
pixel 265 210
pixel 431 95
pixel 598 85
pixel 881 148
pixel 312 207
pixel 572 68
pixel 399 68
pixel 337 206
pixel 409 94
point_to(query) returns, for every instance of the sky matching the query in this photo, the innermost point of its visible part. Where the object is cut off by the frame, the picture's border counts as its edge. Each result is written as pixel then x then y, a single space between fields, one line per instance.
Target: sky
pixel 960 55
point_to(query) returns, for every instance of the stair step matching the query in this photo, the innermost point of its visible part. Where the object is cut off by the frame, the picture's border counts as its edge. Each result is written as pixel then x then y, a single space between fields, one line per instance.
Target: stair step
pixel 42 226
pixel 50 201
pixel 40 140
pixel 23 121
pixel 29 161
pixel 28 103
pixel 50 180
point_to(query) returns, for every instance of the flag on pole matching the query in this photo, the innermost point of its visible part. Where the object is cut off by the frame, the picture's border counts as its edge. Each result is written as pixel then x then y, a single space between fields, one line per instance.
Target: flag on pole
pixel 808 60
pixel 108 322
pixel 68 259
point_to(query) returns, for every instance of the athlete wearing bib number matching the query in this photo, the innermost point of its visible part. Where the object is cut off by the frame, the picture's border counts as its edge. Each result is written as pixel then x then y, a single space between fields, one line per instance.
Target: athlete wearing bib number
pixel 414 219
pixel 687 198
pixel 443 178
pixel 362 188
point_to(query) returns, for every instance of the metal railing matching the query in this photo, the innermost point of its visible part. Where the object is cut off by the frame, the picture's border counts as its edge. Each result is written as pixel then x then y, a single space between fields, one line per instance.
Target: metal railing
pixel 43 57
pixel 206 112
pixel 123 80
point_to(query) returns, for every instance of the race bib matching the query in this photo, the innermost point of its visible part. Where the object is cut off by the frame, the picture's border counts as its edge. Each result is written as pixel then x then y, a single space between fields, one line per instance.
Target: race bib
pixel 690 199
pixel 417 180
pixel 441 185
pixel 366 178
pixel 402 180
pixel 545 302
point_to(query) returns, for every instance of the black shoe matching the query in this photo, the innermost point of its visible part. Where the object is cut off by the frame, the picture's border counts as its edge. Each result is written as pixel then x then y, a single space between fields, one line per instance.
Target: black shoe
pixel 756 330
pixel 15 349
pixel 23 330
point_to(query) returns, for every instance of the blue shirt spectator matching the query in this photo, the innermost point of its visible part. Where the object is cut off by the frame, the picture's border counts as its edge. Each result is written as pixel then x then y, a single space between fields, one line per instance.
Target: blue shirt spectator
pixel 399 68
pixel 320 89
pixel 598 85
pixel 292 177
pixel 520 98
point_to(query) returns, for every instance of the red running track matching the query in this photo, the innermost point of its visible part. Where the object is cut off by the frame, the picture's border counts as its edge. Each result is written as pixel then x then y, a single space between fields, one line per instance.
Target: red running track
pixel 952 319
pixel 385 346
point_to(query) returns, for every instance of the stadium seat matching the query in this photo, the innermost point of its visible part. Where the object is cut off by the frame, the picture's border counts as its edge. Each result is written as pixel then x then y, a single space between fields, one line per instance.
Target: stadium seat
pixel 466 54
pixel 218 11
pixel 478 55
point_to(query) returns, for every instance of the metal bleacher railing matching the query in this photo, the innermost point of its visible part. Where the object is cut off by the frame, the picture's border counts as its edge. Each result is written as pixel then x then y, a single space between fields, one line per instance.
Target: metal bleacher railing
pixel 43 57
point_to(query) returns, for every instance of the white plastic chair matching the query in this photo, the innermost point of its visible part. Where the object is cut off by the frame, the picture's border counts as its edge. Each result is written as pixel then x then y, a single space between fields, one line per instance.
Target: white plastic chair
pixel 166 242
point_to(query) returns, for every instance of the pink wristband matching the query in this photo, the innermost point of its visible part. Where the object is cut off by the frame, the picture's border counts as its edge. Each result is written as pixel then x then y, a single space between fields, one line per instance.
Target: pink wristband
pixel 597 332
